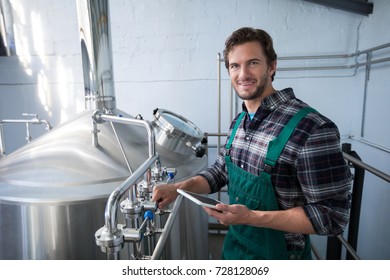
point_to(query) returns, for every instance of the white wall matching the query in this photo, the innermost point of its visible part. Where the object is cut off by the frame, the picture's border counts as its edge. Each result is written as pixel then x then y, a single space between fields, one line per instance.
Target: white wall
pixel 376 151
pixel 165 56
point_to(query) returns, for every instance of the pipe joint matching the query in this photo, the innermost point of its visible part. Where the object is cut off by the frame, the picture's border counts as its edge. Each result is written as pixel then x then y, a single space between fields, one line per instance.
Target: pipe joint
pixel 110 242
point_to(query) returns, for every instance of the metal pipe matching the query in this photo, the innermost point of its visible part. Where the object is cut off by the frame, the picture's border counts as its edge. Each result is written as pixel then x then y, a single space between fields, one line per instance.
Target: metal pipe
pixel 335 67
pixel 121 147
pixel 329 56
pixel 313 57
pixel 357 195
pixel 143 123
pixel 315 68
pixel 367 167
pixel 334 56
pixel 219 97
pixel 216 134
pixel 372 144
pixel 34 120
pixel 315 252
pixel 2 147
pixel 367 78
pixel 95 37
pixel 28 133
pixel 94 132
pixel 387 45
pixel 132 196
pixel 6 26
pixel 144 224
pixel 167 229
pixel 350 250
pixel 112 203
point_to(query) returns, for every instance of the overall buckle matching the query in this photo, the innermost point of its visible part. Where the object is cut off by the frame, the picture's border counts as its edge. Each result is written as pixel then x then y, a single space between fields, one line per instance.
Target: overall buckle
pixel 268 168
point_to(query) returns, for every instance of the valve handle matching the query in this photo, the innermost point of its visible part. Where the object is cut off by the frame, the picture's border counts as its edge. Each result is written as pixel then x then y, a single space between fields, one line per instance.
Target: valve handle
pixel 148 215
pixel 171 175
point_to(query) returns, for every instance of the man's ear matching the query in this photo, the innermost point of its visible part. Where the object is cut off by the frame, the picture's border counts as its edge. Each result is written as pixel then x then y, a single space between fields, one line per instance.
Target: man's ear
pixel 272 68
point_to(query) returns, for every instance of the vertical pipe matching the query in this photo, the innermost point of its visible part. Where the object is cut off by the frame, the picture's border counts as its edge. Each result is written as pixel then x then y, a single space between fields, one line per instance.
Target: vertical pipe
pixel 94 133
pixel 219 100
pixel 2 147
pixel 28 133
pixel 333 248
pixel 132 221
pixel 6 26
pixel 367 78
pixel 357 193
pixel 95 37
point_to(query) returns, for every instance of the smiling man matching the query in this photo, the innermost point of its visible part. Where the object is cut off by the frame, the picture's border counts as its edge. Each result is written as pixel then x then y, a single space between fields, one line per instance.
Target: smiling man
pixel 250 73
pixel 282 163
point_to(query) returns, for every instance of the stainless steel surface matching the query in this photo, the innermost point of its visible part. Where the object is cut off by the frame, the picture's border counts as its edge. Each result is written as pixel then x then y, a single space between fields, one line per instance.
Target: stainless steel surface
pixel 95 36
pixel 54 190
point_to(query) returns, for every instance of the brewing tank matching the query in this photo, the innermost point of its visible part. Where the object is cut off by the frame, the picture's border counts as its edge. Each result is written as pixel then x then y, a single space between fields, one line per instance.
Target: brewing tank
pixel 54 190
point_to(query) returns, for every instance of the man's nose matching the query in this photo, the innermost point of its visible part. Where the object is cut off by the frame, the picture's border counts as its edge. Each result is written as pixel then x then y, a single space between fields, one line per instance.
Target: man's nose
pixel 244 71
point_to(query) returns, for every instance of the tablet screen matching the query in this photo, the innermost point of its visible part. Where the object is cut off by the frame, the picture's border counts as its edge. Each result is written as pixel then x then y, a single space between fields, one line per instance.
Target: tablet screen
pixel 199 199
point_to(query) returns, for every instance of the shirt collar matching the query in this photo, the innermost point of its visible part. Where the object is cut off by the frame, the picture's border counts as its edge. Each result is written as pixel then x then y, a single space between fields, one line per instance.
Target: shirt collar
pixel 274 100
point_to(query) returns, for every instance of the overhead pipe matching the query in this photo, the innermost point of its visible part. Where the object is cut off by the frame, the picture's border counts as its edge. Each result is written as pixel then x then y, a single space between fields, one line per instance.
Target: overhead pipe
pixel 336 56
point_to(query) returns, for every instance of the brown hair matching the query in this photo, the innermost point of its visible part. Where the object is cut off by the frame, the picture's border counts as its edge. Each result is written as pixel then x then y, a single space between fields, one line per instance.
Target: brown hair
pixel 248 34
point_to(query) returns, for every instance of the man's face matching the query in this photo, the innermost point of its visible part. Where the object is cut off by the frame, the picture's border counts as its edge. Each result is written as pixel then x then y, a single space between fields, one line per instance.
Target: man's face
pixel 249 71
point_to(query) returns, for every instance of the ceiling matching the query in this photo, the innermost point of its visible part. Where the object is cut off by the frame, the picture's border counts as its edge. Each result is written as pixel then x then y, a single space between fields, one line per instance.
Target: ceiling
pixel 361 7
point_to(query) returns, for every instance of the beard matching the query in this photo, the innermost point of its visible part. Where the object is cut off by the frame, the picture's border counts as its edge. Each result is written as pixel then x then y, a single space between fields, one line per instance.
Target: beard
pixel 257 93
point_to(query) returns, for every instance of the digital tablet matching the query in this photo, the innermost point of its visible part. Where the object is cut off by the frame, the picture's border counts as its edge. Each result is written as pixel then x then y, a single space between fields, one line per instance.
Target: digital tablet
pixel 199 199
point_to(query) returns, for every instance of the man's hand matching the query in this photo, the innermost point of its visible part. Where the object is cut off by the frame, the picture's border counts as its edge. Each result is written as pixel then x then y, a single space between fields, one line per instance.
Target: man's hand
pixel 163 195
pixel 230 214
pixel 291 220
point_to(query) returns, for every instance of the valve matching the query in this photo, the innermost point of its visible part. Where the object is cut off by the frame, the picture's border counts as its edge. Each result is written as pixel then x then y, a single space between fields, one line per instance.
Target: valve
pixel 199 149
pixel 149 215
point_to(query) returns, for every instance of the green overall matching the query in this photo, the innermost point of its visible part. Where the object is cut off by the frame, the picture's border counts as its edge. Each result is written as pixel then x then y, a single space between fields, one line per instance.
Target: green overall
pixel 257 193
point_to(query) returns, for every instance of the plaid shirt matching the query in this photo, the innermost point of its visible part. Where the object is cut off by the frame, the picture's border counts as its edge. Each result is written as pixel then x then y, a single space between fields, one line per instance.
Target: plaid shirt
pixel 310 172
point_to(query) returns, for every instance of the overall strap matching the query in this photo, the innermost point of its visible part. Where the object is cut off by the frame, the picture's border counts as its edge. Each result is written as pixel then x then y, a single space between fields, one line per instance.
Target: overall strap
pixel 276 146
pixel 237 124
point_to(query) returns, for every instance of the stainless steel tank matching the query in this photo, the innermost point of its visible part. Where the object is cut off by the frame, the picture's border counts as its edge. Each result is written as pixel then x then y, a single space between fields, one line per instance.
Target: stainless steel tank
pixel 54 190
